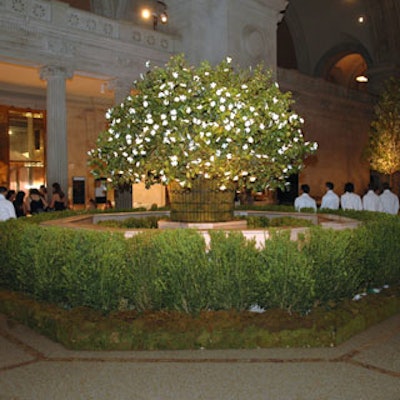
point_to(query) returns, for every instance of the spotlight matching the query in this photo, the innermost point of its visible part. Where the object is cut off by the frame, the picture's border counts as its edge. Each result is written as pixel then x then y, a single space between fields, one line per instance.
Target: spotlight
pixel 146 13
pixel 164 17
pixel 158 11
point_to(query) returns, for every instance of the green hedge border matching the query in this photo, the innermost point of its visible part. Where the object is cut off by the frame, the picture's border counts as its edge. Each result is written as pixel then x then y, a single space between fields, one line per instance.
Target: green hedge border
pixel 87 329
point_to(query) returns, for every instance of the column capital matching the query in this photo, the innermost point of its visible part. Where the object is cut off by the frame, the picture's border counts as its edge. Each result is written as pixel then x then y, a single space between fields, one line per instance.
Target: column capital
pixel 121 88
pixel 48 72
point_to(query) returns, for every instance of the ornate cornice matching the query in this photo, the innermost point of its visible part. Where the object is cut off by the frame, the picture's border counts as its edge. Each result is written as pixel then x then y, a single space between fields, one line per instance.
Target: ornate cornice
pixel 44 32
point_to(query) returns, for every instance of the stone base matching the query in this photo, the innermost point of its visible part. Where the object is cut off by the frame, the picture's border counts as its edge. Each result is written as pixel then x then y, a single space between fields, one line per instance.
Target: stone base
pixel 240 224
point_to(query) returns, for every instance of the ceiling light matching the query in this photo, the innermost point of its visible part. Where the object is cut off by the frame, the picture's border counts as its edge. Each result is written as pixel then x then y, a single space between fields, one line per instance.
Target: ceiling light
pixel 361 19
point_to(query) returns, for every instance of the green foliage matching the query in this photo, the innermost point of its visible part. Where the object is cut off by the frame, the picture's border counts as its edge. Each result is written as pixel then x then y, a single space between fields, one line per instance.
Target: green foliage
pixel 233 261
pixel 380 250
pixel 133 222
pixel 290 221
pixel 70 267
pixel 169 270
pixel 285 280
pixel 252 222
pixel 87 329
pixel 224 123
pixel 176 270
pixel 384 142
pixel 335 260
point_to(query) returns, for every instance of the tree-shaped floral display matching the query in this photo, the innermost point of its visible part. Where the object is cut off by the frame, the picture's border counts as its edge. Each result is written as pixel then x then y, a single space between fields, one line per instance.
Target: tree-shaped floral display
pixel 218 123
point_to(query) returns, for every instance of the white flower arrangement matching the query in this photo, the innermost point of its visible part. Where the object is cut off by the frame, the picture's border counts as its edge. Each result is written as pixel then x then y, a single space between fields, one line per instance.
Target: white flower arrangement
pixel 220 123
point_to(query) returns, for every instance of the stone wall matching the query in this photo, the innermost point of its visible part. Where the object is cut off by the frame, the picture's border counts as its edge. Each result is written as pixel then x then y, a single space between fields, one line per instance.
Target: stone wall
pixel 85 121
pixel 338 119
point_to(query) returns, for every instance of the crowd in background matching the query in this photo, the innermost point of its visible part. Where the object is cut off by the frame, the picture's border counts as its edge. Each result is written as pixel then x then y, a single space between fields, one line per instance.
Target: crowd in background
pixel 20 204
pixel 383 200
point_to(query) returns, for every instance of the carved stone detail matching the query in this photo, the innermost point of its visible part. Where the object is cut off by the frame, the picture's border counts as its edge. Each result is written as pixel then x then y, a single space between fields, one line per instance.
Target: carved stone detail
pixel 164 43
pixel 150 40
pixel 41 10
pixel 127 62
pixel 18 6
pixel 137 36
pixel 49 72
pixel 108 29
pixel 30 8
pixel 254 41
pixel 90 24
pixel 73 19
pixel 60 47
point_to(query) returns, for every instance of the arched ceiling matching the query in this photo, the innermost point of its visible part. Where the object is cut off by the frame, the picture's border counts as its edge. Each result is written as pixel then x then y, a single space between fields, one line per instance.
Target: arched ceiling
pixel 339 39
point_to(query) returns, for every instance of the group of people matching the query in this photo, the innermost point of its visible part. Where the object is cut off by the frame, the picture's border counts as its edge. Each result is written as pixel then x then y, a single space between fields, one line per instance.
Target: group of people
pixel 386 201
pixel 17 204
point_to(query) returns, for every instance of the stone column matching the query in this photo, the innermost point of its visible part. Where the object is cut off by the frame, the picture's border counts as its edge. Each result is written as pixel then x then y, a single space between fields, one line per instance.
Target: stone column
pixel 56 108
pixel 121 88
pixel 383 19
pixel 123 196
pixel 243 30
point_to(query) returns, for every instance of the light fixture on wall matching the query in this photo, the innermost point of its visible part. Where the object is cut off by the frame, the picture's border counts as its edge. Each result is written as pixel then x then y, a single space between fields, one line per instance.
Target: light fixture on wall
pixel 362 78
pixel 157 11
pixel 361 19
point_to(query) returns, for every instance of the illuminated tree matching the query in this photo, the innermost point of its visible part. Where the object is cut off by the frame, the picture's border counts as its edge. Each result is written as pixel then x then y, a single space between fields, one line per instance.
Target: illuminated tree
pixel 384 140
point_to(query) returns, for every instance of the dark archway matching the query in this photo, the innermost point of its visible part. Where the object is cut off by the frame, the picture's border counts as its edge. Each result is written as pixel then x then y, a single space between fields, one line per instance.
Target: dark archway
pixel 286 53
pixel 343 64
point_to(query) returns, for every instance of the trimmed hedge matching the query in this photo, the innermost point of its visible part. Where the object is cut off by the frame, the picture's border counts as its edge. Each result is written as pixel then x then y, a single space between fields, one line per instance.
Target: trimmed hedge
pixel 86 329
pixel 174 270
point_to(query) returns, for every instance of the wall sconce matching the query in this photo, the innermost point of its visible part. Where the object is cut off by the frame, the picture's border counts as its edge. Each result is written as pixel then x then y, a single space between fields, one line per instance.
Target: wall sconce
pixel 158 11
pixel 362 79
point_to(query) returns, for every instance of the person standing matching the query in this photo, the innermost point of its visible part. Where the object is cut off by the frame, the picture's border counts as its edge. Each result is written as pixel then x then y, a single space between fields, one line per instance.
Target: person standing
pixel 350 200
pixel 7 210
pixel 35 204
pixel 330 200
pixel 58 199
pixel 100 192
pixel 371 201
pixel 20 205
pixel 389 201
pixel 305 200
pixel 43 194
pixel 11 194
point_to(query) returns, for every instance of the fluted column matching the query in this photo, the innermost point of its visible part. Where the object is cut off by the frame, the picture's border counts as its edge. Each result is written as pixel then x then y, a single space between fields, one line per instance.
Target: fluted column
pixel 123 196
pixel 56 108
